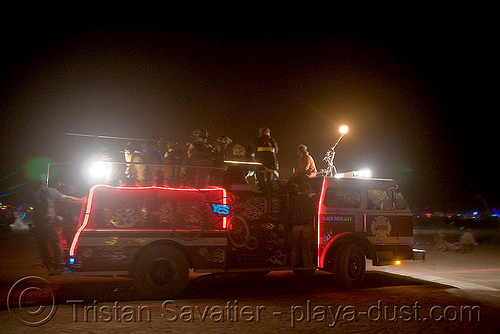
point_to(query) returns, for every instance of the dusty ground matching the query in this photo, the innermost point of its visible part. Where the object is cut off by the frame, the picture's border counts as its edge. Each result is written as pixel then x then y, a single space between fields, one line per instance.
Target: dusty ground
pixel 475 273
pixel 448 292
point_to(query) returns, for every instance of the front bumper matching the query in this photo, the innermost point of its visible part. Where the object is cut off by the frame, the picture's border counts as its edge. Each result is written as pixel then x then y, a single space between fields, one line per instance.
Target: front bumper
pixel 418 254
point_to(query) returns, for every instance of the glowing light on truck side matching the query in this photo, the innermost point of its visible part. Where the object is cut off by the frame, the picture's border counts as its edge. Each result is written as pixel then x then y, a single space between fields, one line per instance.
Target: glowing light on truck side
pixel 88 209
pixel 85 221
pixel 320 205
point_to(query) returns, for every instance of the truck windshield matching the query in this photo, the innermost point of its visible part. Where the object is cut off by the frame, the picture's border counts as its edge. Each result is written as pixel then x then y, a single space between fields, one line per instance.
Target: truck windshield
pixel 399 200
pixel 385 199
pixel 378 199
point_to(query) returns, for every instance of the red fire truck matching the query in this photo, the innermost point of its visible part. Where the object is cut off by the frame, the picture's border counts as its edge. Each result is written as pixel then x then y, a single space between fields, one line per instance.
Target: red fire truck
pixel 155 234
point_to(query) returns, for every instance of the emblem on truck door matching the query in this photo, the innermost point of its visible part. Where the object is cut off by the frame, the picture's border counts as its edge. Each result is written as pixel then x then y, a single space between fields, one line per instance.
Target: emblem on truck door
pixel 381 227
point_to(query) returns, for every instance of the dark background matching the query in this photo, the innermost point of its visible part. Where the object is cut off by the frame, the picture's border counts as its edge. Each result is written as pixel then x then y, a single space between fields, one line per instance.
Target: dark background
pixel 416 90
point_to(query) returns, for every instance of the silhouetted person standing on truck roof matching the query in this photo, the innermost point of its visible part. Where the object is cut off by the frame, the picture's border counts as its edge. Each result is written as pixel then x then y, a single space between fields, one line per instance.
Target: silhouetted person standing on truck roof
pixel 200 153
pixel 266 149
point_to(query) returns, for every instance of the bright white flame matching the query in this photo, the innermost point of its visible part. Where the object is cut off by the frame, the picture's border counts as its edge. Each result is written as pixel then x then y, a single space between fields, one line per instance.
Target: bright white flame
pixel 343 129
pixel 100 170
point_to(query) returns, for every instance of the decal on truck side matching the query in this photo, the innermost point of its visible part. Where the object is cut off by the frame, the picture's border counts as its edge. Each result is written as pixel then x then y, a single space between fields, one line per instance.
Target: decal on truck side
pixel 381 227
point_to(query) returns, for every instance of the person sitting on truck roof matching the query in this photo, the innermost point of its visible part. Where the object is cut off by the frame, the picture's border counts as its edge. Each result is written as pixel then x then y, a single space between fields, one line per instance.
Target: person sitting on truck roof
pixel 306 167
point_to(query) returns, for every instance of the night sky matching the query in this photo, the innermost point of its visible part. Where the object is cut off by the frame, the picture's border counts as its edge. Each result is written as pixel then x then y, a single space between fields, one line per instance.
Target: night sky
pixel 415 92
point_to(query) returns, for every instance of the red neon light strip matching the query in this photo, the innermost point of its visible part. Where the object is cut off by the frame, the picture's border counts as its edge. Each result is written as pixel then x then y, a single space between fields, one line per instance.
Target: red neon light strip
pixel 85 221
pixel 91 197
pixel 320 205
pixel 119 230
pixel 224 202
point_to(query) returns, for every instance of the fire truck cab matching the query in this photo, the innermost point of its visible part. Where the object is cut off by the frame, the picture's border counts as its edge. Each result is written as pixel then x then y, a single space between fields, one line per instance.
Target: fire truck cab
pixel 358 218
pixel 155 234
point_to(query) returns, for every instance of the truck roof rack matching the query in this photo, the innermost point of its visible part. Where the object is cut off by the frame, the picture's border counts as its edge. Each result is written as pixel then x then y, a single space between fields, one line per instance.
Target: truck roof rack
pixel 362 174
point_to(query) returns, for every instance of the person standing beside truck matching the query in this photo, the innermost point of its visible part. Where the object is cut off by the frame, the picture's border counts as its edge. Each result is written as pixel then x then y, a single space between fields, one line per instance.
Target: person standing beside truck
pixel 46 221
pixel 303 207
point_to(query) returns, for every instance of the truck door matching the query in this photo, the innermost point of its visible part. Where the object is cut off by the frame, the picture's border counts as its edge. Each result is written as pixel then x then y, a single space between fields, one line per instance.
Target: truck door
pixel 339 213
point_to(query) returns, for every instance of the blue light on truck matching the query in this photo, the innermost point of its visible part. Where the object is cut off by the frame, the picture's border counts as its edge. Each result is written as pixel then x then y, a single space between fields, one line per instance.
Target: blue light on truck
pixel 221 209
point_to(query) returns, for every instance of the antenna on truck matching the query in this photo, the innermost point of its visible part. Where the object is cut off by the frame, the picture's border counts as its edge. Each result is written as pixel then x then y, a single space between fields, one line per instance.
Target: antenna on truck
pixel 331 171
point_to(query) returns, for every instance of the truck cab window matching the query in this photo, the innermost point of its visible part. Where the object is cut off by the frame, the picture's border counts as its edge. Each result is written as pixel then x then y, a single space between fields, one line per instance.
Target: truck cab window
pixel 378 199
pixel 400 201
pixel 342 197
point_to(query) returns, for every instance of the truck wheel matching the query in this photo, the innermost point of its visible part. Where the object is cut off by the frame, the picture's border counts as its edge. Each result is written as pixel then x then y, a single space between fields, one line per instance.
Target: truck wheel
pixel 161 272
pixel 349 267
pixel 238 232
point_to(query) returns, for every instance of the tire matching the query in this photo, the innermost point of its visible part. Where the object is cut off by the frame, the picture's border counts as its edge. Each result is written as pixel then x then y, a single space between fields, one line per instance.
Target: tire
pixel 349 267
pixel 161 272
pixel 187 224
pixel 238 232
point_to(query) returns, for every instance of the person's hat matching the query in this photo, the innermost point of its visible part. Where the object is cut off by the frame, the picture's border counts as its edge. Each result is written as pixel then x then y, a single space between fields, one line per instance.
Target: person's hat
pixel 302 148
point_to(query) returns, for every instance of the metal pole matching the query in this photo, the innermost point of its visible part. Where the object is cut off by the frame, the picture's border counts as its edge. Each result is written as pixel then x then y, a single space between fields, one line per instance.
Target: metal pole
pixel 118 138
pixel 332 170
pixel 337 142
pixel 48 175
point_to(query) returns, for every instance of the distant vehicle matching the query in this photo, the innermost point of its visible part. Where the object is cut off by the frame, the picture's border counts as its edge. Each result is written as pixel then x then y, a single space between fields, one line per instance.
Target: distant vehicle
pixel 155 234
